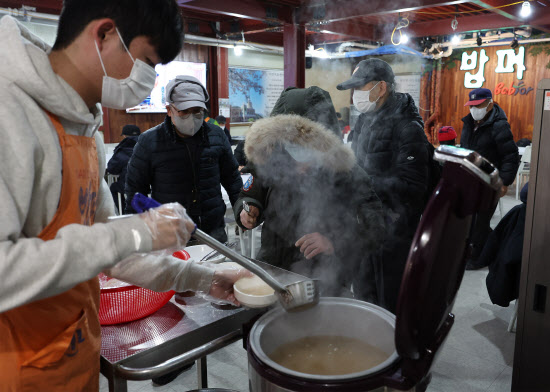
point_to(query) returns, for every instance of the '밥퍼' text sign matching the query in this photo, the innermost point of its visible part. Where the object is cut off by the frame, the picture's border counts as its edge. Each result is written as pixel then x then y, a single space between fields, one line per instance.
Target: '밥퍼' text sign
pixel 507 60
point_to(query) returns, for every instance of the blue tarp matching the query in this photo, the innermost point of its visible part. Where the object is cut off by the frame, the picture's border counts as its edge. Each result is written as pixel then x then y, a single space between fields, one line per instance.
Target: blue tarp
pixel 386 49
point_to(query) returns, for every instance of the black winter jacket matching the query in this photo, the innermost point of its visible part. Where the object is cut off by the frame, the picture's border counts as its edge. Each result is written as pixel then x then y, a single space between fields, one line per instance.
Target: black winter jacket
pixel 390 145
pixel 118 164
pixel 240 156
pixel 503 252
pixel 312 102
pixel 494 141
pixel 186 170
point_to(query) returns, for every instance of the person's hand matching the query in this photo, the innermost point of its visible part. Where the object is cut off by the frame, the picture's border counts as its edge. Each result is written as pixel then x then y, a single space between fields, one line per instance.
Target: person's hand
pixel 240 168
pixel 503 191
pixel 170 226
pixel 313 244
pixel 223 280
pixel 249 219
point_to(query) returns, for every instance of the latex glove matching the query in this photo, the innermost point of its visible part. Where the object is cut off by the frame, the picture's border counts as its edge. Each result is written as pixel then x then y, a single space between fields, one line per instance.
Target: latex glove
pixel 249 219
pixel 313 244
pixel 170 226
pixel 223 280
pixel 503 191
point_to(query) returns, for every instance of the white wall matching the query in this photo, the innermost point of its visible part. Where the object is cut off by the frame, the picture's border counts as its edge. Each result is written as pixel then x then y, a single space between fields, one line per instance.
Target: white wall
pixel 255 59
pixel 326 74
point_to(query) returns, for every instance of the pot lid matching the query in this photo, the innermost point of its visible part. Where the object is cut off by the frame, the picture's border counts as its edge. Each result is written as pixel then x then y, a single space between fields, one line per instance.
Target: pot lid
pixel 437 257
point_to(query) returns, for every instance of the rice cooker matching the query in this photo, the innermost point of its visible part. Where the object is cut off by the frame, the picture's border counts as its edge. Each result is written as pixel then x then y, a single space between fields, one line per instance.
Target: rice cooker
pixel 411 338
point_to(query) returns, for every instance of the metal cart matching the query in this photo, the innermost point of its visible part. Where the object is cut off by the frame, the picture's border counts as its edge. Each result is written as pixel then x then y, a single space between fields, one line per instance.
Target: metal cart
pixel 186 329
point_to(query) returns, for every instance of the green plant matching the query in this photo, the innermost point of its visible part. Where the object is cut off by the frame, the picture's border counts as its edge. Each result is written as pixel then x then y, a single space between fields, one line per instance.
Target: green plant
pixel 537 48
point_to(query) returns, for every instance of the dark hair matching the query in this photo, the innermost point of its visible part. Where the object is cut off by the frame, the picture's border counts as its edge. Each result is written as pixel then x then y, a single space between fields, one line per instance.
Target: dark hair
pixel 159 20
pixel 221 119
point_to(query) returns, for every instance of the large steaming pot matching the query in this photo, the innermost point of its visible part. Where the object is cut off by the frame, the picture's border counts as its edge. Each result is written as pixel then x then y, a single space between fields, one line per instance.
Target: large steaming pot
pixel 332 316
pixel 432 277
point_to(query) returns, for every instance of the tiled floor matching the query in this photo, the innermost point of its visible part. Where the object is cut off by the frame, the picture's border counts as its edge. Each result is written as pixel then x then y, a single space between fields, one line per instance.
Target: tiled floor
pixel 477 355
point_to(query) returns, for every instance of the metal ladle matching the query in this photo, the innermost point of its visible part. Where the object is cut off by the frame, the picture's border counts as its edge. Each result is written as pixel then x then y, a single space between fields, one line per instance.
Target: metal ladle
pixel 293 297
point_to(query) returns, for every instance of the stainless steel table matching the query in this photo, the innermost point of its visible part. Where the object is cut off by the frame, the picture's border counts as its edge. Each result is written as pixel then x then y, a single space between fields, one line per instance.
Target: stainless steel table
pixel 178 334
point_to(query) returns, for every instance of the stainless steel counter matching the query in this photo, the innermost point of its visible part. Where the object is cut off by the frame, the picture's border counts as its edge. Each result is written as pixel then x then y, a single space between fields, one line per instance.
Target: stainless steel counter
pixel 178 334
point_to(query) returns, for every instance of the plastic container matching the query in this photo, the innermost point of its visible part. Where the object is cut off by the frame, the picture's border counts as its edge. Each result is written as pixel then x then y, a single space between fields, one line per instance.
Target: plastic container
pixel 128 303
pixel 266 298
pixel 124 302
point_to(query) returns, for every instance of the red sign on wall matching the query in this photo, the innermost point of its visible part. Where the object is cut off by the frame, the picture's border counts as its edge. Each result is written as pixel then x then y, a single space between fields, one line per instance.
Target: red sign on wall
pixel 513 89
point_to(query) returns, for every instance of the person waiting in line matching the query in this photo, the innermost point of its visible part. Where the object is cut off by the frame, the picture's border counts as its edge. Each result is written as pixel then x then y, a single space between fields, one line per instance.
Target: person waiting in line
pixel 503 252
pixel 341 122
pixel 54 234
pixel 240 156
pixel 118 163
pixel 208 119
pixel 390 145
pixel 300 172
pixel 185 159
pixel 524 142
pixel 486 131
pixel 222 121
pixel 447 136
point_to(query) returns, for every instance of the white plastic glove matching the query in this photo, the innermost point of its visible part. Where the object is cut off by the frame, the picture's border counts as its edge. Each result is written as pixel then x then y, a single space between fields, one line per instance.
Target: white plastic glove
pixel 225 275
pixel 170 226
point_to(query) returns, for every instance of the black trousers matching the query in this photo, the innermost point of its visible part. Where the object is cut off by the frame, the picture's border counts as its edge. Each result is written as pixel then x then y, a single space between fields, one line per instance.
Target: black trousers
pixel 378 279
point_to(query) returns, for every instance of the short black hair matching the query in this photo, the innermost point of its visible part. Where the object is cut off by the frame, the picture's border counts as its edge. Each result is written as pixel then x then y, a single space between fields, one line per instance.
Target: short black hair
pixel 221 119
pixel 160 20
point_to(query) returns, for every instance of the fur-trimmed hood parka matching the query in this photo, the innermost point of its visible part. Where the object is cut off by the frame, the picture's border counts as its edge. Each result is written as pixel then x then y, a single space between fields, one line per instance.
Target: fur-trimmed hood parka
pixel 300 138
pixel 304 180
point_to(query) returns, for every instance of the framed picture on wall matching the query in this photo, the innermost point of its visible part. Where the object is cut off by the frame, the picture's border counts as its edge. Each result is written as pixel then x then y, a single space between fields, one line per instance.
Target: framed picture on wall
pixel 253 92
pixel 156 102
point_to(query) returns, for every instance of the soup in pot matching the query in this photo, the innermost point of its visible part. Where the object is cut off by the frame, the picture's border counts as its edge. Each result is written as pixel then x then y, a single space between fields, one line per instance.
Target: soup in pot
pixel 328 355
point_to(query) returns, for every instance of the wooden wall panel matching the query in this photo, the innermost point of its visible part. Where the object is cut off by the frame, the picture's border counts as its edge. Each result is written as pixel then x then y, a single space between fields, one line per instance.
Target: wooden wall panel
pixel 115 119
pixel 518 108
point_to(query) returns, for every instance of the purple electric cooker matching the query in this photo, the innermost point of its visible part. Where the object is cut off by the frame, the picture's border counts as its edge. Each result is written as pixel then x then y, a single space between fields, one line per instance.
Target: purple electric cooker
pixel 432 277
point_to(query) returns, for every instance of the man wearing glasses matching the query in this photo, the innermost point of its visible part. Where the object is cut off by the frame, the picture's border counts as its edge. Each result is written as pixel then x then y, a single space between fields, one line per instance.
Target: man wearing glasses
pixel 185 159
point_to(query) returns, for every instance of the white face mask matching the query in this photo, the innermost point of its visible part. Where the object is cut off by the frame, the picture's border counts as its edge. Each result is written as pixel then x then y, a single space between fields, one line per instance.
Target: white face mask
pixel 187 126
pixel 479 113
pixel 361 100
pixel 125 93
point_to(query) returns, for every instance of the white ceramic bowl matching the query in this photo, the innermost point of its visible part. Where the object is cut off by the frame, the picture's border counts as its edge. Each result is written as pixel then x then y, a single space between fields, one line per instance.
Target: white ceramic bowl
pixel 197 252
pixel 251 300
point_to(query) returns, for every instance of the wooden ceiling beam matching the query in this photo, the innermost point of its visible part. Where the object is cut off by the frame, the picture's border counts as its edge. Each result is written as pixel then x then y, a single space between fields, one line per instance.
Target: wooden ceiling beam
pixel 241 9
pixel 473 23
pixel 340 10
pixel 514 14
pixel 353 31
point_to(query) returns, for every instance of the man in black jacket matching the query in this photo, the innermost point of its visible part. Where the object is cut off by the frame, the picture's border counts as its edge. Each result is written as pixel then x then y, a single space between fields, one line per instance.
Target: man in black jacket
pixel 390 145
pixel 486 130
pixel 185 160
pixel 119 162
pixel 240 156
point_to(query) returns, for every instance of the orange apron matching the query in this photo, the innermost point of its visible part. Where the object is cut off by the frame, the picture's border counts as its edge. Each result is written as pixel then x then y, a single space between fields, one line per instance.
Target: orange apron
pixel 53 344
